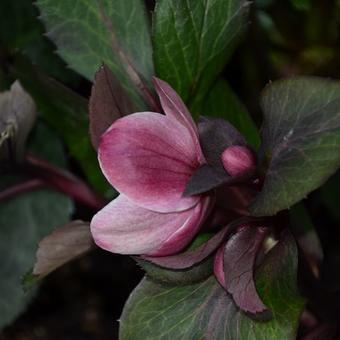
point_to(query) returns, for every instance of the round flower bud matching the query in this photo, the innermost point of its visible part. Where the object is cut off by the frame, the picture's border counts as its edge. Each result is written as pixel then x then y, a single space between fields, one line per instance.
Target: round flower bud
pixel 238 160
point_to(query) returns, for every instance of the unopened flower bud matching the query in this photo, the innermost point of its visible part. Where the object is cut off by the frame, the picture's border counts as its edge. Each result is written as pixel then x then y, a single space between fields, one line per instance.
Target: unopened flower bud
pixel 238 160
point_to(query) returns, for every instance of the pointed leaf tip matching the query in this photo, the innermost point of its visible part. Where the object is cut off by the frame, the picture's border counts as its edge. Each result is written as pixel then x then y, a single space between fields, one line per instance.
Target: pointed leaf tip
pixel 239 261
pixel 61 246
pixel 108 102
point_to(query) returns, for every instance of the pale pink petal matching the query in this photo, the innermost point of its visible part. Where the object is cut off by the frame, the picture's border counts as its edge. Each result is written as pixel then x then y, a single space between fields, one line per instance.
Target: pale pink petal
pixel 218 266
pixel 149 158
pixel 174 107
pixel 122 227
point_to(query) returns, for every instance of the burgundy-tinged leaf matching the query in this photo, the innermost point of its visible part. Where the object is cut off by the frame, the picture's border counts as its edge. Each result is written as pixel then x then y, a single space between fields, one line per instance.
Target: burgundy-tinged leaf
pixel 206 178
pixel 239 265
pixel 63 181
pixel 190 258
pixel 61 246
pixel 235 198
pixel 108 102
pixel 215 136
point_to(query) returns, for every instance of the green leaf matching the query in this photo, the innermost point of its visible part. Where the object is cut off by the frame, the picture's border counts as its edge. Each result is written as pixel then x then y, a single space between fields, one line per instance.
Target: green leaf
pixel 88 33
pixel 222 102
pixel 186 276
pixel 174 277
pixel 24 220
pixel 193 40
pixel 21 30
pixel 205 311
pixel 302 5
pixel 66 112
pixel 301 140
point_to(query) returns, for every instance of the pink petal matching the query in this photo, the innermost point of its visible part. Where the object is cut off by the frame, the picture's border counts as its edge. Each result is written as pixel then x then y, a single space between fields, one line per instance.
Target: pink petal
pixel 238 160
pixel 174 107
pixel 122 227
pixel 149 158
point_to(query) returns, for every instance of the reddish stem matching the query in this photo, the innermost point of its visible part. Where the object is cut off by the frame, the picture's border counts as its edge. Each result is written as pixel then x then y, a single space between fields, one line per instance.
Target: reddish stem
pixel 20 188
pixel 64 181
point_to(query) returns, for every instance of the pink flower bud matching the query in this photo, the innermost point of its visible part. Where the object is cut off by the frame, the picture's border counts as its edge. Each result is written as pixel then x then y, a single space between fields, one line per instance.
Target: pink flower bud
pixel 238 160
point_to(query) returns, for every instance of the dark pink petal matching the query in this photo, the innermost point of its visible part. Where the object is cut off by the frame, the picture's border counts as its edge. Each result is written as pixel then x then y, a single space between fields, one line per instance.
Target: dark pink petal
pixel 239 261
pixel 218 266
pixel 122 227
pixel 238 160
pixel 149 158
pixel 175 108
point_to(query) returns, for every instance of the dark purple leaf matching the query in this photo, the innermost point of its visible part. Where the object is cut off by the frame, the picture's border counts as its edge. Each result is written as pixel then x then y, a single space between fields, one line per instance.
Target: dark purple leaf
pixel 215 136
pixel 192 257
pixel 205 179
pixel 108 102
pixel 301 140
pixel 239 264
pixel 235 198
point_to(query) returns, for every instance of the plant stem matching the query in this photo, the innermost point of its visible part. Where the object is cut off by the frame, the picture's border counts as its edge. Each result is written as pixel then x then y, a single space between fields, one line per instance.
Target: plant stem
pixel 63 181
pixel 20 188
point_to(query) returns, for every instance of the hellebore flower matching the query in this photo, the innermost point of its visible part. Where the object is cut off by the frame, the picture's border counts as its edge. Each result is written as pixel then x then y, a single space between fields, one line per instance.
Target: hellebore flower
pixel 149 157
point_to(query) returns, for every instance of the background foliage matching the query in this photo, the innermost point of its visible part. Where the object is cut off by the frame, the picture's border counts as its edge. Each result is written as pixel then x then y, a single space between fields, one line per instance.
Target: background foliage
pixel 218 55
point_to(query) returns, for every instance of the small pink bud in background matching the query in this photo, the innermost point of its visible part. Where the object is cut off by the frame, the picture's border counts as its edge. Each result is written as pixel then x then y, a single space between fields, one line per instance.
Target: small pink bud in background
pixel 238 160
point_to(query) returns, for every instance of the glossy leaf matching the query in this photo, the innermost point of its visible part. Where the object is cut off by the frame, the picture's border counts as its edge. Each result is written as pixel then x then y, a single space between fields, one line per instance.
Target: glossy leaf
pixel 222 102
pixel 24 220
pixel 88 33
pixel 193 40
pixel 301 140
pixel 205 311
